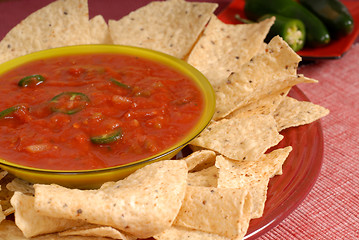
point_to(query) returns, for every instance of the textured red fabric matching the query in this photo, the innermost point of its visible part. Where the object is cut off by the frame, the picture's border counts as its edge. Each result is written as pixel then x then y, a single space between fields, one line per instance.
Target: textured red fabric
pixel 331 210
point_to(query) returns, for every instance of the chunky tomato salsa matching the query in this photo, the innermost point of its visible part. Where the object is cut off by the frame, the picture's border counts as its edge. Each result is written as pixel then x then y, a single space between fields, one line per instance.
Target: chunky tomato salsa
pixel 88 112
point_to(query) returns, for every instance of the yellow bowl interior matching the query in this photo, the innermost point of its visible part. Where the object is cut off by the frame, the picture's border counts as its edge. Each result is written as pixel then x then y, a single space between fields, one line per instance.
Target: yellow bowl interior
pixel 94 178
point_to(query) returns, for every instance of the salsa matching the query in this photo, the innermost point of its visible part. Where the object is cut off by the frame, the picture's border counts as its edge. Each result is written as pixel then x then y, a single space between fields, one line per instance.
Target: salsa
pixel 83 112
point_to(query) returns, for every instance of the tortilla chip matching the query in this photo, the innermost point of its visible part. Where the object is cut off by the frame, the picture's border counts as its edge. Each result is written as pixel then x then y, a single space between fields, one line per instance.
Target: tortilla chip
pixel 253 175
pixel 292 113
pixel 171 27
pixel 240 138
pixel 224 48
pixel 180 233
pixel 32 223
pixel 2 175
pixel 199 160
pixel 204 178
pixel 143 204
pixel 19 185
pixel 99 31
pixel 221 211
pixel 266 105
pixel 5 194
pixel 91 230
pixel 61 23
pixel 2 215
pixel 265 74
pixel 9 231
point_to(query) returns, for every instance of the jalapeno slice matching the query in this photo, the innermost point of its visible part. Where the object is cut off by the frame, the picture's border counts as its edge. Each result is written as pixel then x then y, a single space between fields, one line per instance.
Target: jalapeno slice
pixel 31 80
pixel 7 112
pixel 107 138
pixel 120 84
pixel 69 102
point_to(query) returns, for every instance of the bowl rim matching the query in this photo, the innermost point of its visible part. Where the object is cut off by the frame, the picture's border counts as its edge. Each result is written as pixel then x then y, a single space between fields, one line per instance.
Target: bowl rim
pixel 209 99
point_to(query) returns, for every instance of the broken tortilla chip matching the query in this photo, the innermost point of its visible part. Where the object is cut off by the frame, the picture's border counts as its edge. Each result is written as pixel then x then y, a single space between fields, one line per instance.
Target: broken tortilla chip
pixel 171 27
pixel 31 223
pixel 265 74
pixel 9 231
pixel 253 175
pixel 205 178
pixel 292 113
pixel 61 23
pixel 143 204
pixel 266 105
pixel 224 48
pixel 221 211
pixel 199 160
pixel 180 233
pixel 91 230
pixel 244 138
pixel 19 185
pixel 99 31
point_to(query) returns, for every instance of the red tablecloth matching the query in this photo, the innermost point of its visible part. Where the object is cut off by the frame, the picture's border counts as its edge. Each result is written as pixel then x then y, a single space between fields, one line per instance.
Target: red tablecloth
pixel 331 210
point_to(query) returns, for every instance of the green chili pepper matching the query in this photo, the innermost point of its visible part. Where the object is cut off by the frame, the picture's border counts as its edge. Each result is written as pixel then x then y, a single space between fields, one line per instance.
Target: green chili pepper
pixel 7 112
pixel 108 138
pixel 118 83
pixel 31 80
pixel 290 29
pixel 334 15
pixel 60 102
pixel 316 32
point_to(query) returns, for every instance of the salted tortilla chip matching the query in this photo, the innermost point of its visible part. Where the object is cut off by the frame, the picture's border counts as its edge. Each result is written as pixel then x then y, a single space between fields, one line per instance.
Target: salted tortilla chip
pixel 221 211
pixel 99 31
pixel 265 74
pixel 244 138
pixel 199 160
pixel 31 223
pixel 91 230
pixel 9 231
pixel 223 48
pixel 19 185
pixel 2 215
pixel 180 233
pixel 2 175
pixel 143 204
pixel 61 23
pixel 6 194
pixel 205 178
pixel 292 113
pixel 253 175
pixel 171 27
pixel 266 105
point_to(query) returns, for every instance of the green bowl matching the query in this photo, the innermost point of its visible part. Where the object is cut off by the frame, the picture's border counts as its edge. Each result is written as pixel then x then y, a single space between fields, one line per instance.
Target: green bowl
pixel 86 179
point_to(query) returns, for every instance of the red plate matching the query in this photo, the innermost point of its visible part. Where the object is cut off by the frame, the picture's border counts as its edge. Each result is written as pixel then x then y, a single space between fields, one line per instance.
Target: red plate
pixel 335 49
pixel 300 172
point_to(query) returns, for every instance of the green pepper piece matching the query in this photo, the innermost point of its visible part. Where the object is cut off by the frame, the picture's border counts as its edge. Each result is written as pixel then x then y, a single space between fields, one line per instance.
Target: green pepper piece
pixel 334 15
pixel 69 97
pixel 290 29
pixel 7 112
pixel 31 80
pixel 107 138
pixel 316 32
pixel 118 83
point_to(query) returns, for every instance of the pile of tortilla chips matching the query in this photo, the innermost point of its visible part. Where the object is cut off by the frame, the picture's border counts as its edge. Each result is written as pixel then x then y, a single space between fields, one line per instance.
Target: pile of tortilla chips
pixel 212 193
